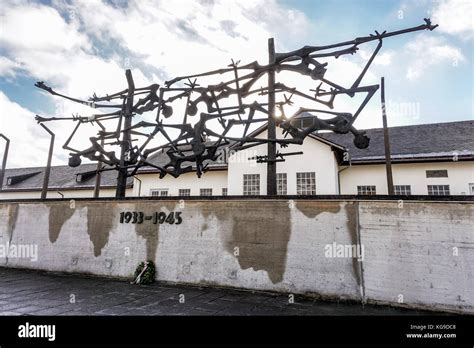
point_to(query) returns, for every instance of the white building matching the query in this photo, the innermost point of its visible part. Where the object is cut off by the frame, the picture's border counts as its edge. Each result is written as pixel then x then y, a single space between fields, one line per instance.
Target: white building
pixel 432 159
pixel 428 159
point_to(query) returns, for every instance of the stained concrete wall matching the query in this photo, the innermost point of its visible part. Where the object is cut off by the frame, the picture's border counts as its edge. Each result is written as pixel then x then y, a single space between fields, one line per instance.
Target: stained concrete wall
pixel 422 251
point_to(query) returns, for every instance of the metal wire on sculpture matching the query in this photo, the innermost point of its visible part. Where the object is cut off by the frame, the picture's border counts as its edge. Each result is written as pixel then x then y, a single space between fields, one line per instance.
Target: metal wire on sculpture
pixel 193 146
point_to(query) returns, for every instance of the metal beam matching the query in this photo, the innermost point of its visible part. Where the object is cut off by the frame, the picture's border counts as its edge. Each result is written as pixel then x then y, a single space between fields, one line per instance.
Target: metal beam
pixel 47 170
pixel 386 139
pixel 99 167
pixel 271 146
pixel 4 161
pixel 126 139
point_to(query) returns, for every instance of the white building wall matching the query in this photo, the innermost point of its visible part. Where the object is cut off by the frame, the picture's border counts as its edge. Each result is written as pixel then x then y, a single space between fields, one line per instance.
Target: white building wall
pixel 240 165
pixel 317 157
pixel 460 174
pixel 214 179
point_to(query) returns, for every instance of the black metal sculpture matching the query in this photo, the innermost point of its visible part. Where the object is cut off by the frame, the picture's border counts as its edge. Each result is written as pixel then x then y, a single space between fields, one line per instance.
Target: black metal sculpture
pixel 197 143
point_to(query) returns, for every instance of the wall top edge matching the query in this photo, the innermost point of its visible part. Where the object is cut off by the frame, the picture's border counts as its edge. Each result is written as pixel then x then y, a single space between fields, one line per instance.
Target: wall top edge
pixel 340 198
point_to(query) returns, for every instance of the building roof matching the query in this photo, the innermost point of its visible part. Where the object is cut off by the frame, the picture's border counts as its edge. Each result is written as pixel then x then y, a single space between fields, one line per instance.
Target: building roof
pixel 61 177
pixel 413 143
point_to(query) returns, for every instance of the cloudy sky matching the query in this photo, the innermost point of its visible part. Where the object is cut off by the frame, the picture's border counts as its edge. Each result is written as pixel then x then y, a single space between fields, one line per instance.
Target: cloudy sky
pixel 82 47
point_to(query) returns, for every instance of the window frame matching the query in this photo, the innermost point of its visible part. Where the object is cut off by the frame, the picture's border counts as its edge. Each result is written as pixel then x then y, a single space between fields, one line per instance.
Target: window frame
pixel 180 192
pixel 366 190
pixel 435 190
pixel 160 192
pixel 282 179
pixel 203 189
pixel 251 184
pixel 402 188
pixel 436 173
pixel 304 191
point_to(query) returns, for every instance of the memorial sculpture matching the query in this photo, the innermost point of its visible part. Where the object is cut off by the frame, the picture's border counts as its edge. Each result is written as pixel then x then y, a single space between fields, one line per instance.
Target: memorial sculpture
pixel 207 125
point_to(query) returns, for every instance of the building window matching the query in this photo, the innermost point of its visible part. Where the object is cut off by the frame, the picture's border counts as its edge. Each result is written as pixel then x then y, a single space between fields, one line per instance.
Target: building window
pixel 159 192
pixel 184 192
pixel 224 191
pixel 366 190
pixel 306 183
pixel 251 184
pixel 206 192
pixel 437 173
pixel 438 190
pixel 402 190
pixel 281 184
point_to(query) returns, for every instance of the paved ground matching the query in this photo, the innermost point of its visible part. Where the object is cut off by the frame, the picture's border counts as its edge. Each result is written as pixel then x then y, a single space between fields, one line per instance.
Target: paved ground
pixel 39 293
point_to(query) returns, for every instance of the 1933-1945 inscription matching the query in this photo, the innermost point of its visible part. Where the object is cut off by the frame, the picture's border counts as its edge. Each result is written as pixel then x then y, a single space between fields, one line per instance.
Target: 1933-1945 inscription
pixel 139 217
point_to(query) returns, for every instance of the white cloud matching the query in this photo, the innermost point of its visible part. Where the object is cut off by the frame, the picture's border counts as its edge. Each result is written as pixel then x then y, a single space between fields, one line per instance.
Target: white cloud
pixel 454 17
pixel 8 67
pixel 43 45
pixel 182 37
pixel 83 47
pixel 429 51
pixel 28 143
pixel 382 58
pixel 38 28
pixel 178 37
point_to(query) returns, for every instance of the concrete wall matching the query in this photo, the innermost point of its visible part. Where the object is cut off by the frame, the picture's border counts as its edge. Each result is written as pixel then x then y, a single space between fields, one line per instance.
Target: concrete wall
pixel 460 175
pixel 417 254
pixel 317 157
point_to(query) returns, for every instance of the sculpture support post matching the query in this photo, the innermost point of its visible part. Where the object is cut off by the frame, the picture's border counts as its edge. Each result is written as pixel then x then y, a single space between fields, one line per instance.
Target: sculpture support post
pixel 99 167
pixel 126 140
pixel 388 160
pixel 47 170
pixel 271 147
pixel 4 162
pixel 97 177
